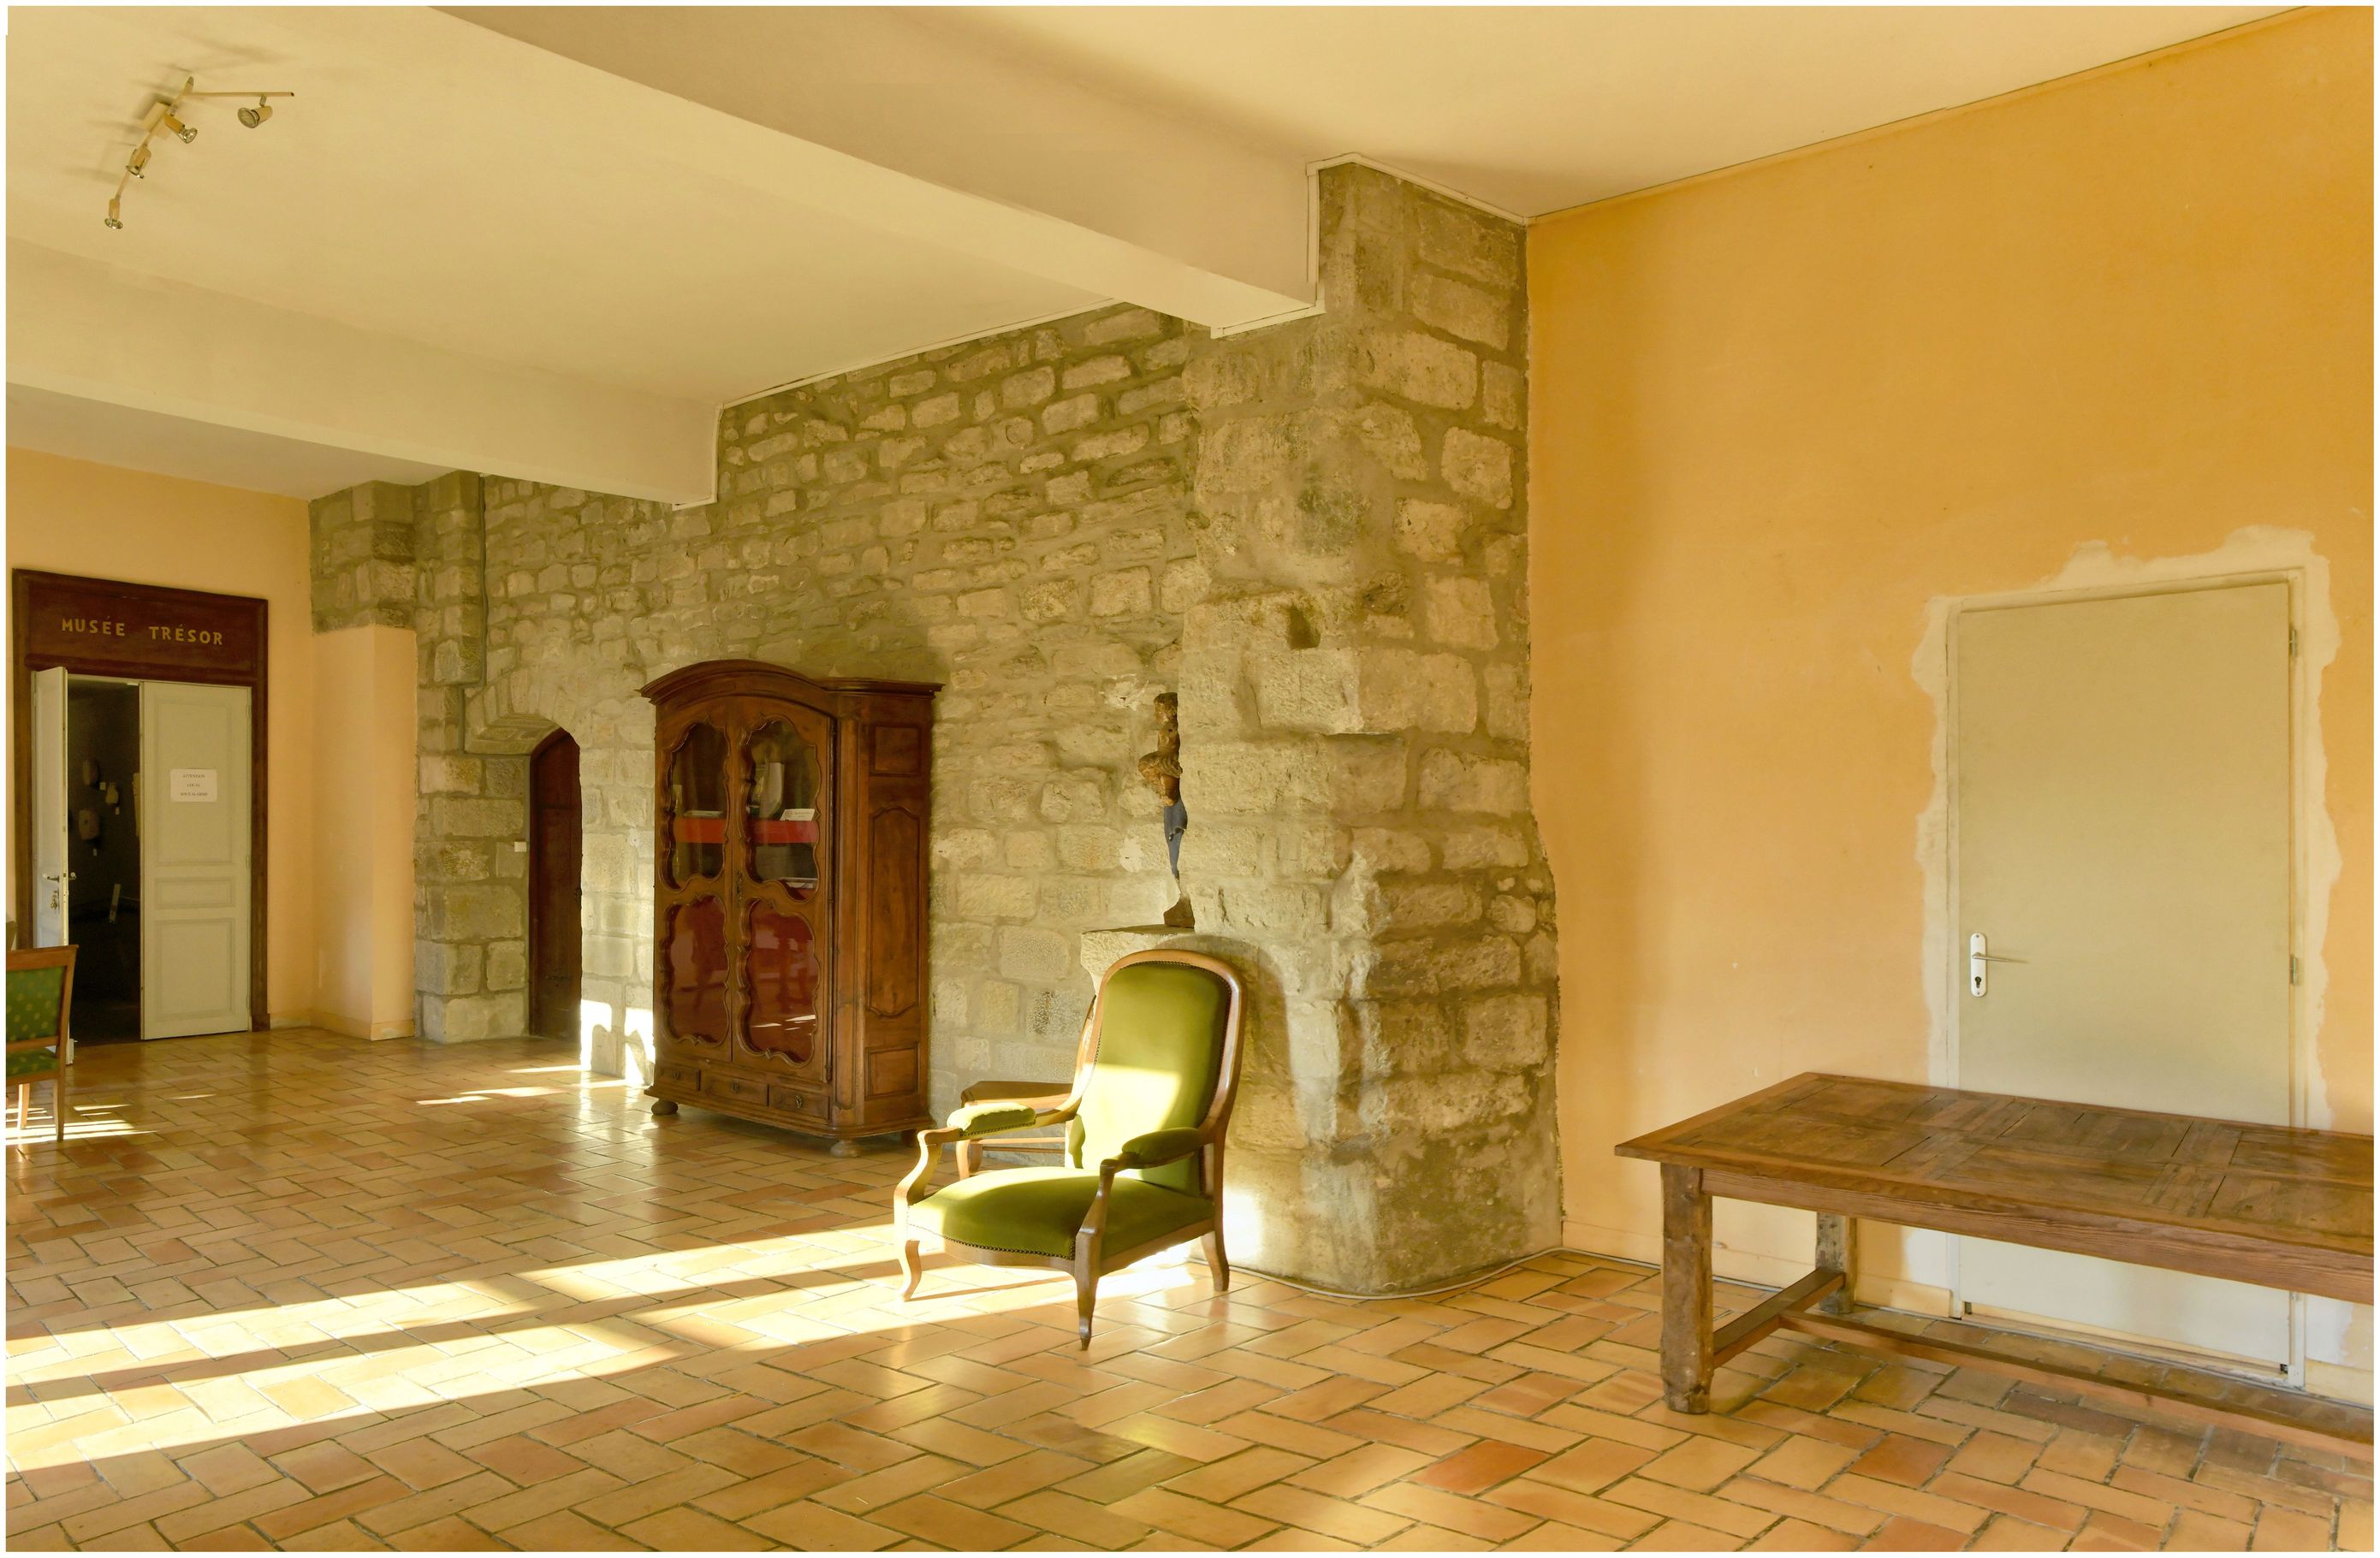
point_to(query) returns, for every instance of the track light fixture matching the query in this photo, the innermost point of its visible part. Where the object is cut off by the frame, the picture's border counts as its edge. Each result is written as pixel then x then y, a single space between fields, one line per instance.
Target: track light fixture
pixel 166 114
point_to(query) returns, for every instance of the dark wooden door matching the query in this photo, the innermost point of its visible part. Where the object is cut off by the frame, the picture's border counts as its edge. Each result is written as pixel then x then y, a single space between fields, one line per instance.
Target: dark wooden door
pixel 554 887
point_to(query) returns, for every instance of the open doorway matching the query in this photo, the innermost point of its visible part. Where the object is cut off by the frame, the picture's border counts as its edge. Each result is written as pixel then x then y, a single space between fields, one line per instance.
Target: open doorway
pixel 196 663
pixel 164 767
pixel 103 856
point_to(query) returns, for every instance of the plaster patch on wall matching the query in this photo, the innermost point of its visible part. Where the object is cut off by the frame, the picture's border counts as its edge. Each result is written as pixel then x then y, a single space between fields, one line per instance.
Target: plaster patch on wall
pixel 2335 1333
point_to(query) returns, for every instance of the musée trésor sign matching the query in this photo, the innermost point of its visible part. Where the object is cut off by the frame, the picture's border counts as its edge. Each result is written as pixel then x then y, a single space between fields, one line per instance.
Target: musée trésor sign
pixel 100 624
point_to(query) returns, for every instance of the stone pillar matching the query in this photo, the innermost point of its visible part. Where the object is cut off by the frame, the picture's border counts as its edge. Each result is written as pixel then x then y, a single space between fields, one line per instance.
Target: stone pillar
pixel 471 881
pixel 1354 751
pixel 362 542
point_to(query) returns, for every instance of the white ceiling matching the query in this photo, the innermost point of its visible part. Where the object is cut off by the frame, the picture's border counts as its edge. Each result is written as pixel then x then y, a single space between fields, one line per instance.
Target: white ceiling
pixel 441 183
pixel 533 223
pixel 1535 109
pixel 148 440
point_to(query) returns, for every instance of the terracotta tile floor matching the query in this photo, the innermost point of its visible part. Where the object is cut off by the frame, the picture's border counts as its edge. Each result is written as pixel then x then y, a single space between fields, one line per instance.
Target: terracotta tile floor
pixel 304 1291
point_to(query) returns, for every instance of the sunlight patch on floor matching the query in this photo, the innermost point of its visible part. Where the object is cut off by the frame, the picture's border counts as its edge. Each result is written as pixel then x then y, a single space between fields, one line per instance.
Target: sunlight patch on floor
pixel 814 1292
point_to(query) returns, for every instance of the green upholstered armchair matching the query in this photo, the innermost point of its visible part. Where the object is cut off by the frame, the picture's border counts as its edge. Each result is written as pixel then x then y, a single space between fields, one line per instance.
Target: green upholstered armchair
pixel 41 991
pixel 1143 1165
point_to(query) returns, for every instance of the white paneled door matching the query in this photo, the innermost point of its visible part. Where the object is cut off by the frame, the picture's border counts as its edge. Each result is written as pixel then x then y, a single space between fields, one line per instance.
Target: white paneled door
pixel 48 757
pixel 195 857
pixel 2120 773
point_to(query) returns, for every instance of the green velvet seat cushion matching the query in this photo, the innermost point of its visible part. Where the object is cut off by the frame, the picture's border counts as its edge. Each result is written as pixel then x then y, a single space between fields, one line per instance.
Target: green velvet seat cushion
pixel 33 998
pixel 1036 1211
pixel 1161 1054
pixel 31 1063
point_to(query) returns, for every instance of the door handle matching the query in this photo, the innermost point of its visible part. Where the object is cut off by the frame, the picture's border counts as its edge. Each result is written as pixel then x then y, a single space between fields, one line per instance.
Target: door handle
pixel 1978 955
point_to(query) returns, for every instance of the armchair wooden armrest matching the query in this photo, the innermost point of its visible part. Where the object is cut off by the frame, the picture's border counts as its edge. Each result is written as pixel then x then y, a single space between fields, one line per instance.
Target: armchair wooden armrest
pixel 1159 1147
pixel 968 1122
pixel 1040 1095
pixel 1150 1150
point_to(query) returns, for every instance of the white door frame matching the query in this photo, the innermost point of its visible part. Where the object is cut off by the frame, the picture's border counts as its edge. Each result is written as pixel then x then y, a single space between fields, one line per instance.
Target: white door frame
pixel 2302 806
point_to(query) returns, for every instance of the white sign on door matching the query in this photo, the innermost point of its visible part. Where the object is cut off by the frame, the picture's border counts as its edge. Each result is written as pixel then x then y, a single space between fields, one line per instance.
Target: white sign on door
pixel 191 784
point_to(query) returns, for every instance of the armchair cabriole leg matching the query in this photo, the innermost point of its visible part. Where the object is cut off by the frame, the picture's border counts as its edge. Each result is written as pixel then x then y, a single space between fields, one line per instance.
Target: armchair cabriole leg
pixel 913 1270
pixel 1218 1268
pixel 1086 1273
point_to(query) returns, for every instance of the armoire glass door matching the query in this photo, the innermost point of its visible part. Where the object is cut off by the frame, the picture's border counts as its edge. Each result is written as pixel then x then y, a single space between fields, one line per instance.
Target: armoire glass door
pixel 695 853
pixel 787 829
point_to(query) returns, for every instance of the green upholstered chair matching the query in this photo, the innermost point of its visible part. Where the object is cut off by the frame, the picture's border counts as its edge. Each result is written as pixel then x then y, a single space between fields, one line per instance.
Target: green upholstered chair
pixel 41 991
pixel 1143 1165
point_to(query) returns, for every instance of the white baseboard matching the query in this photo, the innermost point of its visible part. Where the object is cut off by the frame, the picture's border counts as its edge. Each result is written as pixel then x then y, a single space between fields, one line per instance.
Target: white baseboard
pixel 356 1028
pixel 1760 1269
pixel 2339 1381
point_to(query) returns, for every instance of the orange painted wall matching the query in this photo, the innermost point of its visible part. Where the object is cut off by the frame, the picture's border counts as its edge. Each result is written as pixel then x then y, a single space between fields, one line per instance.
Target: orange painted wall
pixel 77 517
pixel 1778 411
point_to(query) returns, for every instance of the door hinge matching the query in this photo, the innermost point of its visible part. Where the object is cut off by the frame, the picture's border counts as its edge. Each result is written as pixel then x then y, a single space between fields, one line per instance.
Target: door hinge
pixel 2297 973
pixel 2293 642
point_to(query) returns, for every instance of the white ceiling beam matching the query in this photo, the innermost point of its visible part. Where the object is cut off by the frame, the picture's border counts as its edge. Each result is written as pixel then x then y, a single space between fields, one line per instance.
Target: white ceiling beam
pixel 79 327
pixel 883 116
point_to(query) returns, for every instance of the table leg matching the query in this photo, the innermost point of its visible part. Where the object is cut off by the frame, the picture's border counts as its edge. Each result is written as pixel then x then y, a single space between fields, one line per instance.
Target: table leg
pixel 1685 1290
pixel 1835 1253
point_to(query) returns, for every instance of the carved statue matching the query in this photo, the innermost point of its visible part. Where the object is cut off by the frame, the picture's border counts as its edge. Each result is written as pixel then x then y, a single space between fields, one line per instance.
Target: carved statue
pixel 1161 771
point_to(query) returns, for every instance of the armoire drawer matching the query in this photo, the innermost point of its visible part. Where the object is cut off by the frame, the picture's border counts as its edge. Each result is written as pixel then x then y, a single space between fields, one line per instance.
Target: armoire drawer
pixel 742 1089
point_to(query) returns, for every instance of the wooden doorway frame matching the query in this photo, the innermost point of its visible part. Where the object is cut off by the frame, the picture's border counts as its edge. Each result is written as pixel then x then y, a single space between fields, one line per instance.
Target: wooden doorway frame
pixel 141 657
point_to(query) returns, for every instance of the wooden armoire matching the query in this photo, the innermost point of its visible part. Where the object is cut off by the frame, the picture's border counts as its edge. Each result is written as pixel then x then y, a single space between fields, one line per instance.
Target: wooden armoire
pixel 789 897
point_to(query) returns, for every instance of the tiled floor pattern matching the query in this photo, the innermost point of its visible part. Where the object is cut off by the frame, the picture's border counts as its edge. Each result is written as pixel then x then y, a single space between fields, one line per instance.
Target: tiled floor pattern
pixel 306 1292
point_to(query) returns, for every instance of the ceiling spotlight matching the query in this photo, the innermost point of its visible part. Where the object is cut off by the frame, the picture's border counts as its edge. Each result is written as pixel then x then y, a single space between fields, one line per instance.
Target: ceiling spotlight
pixel 166 113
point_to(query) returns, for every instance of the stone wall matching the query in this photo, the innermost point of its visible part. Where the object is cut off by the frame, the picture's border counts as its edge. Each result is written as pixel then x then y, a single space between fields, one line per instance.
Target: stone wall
pixel 1315 532
pixel 1006 517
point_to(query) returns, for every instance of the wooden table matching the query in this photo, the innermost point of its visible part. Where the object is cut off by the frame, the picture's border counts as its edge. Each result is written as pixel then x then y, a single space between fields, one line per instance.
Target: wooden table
pixel 2280 1208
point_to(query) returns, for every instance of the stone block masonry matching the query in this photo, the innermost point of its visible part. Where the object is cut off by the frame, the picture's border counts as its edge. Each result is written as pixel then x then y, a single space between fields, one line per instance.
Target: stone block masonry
pixel 1354 737
pixel 1317 532
pixel 362 542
